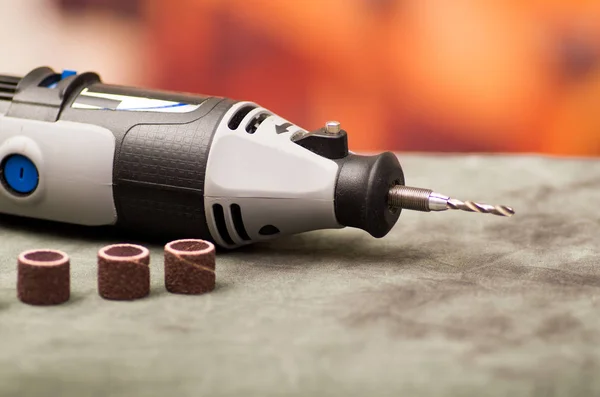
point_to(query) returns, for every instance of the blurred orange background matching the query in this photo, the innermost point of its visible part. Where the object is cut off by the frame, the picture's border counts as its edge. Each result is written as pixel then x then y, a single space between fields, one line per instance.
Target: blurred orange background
pixel 405 75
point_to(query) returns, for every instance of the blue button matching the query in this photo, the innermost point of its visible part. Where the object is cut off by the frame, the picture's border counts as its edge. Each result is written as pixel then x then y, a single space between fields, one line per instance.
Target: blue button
pixel 20 174
pixel 67 73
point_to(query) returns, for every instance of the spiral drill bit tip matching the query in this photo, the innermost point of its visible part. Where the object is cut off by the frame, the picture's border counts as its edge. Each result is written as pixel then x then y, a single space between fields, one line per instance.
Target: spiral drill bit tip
pixel 427 200
pixel 471 206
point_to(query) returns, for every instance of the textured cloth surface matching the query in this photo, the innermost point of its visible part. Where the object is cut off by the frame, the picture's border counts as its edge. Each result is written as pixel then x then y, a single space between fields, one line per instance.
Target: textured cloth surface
pixel 448 304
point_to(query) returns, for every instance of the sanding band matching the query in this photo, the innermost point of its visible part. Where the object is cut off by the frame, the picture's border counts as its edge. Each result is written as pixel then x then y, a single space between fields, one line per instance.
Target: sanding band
pixel 43 277
pixel 123 272
pixel 190 266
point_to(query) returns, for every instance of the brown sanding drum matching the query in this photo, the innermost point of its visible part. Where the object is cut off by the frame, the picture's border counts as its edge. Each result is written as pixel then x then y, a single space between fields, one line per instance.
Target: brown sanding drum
pixel 43 277
pixel 190 267
pixel 123 272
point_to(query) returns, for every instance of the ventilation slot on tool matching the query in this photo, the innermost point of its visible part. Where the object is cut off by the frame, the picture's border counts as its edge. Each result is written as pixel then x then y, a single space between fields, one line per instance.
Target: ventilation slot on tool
pixel 8 87
pixel 256 122
pixel 237 118
pixel 238 222
pixel 268 230
pixel 219 216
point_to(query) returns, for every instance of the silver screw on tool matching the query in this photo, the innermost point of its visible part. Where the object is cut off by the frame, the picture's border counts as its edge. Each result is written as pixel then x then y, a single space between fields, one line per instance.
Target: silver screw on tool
pixel 332 127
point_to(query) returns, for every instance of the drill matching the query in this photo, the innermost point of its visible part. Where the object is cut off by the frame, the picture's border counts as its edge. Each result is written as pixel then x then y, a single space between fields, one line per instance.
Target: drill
pixel 76 150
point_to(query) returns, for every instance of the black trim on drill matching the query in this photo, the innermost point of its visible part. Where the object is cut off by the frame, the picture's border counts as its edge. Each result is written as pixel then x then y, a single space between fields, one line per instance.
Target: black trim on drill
pixel 362 189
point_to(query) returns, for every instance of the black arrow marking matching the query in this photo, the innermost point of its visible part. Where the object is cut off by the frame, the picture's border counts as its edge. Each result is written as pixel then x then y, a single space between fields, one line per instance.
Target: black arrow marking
pixel 280 129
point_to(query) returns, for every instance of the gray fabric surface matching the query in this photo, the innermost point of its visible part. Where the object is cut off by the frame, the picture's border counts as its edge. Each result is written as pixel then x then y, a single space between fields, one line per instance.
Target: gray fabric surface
pixel 448 304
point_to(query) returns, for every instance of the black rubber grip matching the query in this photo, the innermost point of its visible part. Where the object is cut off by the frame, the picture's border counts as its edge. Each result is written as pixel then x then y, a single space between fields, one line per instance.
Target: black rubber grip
pixel 160 160
pixel 159 176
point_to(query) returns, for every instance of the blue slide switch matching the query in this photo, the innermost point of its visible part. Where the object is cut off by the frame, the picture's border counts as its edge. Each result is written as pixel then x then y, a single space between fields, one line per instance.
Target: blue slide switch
pixel 67 73
pixel 20 174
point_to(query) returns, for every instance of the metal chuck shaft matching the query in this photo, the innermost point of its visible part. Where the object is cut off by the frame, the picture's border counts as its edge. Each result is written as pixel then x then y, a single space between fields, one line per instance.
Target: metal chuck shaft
pixel 426 200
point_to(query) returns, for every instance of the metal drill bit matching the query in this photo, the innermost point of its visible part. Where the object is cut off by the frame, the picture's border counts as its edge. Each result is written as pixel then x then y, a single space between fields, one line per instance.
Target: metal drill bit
pixel 413 198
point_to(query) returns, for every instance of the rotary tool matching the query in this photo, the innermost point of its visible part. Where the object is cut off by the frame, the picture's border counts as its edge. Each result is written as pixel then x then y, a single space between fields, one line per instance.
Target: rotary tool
pixel 76 150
